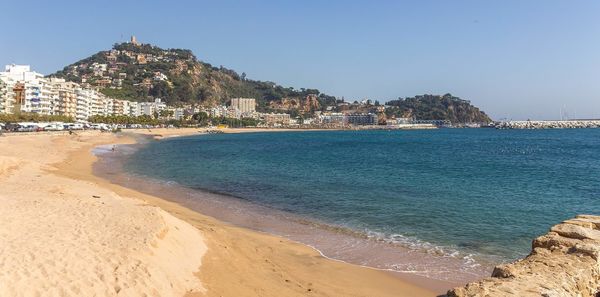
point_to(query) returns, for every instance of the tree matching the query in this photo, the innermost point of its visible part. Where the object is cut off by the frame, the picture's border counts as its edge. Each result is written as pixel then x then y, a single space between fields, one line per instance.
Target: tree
pixel 166 113
pixel 201 118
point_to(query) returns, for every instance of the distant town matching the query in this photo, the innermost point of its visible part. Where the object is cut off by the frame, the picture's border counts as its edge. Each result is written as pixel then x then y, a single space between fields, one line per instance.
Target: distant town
pixel 141 84
pixel 23 90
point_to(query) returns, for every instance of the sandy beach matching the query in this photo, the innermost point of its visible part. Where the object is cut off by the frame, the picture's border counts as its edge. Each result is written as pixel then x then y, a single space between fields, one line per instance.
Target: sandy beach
pixel 66 232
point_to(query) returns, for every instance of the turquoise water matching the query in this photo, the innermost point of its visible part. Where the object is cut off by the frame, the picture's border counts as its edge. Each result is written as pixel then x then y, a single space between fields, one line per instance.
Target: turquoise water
pixel 475 191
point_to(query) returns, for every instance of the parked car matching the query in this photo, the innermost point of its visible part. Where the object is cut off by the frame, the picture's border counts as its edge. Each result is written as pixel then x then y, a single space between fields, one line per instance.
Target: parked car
pixel 27 128
pixel 11 127
pixel 54 127
pixel 102 127
pixel 74 126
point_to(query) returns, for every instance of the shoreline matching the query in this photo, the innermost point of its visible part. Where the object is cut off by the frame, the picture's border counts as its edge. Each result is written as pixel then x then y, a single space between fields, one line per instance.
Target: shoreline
pixel 335 242
pixel 270 264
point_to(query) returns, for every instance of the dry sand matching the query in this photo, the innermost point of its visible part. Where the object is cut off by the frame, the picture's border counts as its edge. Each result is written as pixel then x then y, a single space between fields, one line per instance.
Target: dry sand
pixel 66 237
pixel 58 239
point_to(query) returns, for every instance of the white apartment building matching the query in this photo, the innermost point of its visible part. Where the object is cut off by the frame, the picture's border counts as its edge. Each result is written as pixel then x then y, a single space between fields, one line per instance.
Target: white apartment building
pixel 23 90
pixel 233 112
pixel 179 113
pixel 275 119
pixel 219 111
pixel 48 98
pixel 7 98
pixel 244 105
pixel 150 108
pixel 121 107
pixel 84 102
pixel 66 94
pixel 32 88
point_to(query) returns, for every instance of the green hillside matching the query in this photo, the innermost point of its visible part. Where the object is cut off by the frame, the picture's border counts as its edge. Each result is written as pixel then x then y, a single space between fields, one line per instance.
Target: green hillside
pixel 436 107
pixel 142 72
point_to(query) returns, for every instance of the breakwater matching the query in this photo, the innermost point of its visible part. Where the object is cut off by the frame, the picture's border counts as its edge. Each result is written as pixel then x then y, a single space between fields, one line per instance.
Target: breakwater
pixel 570 124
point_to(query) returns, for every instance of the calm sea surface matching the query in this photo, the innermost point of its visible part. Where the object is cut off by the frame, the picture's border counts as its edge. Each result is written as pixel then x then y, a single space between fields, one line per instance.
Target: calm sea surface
pixel 481 194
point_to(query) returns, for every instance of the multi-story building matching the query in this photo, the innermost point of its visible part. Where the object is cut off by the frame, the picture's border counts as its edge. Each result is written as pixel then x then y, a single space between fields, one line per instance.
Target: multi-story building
pixel 151 108
pixel 332 118
pixel 361 119
pixel 233 112
pixel 66 92
pixel 7 98
pixel 134 109
pixel 179 113
pixel 46 97
pixel 219 111
pixel 32 90
pixel 121 107
pixel 97 106
pixel 84 102
pixel 23 90
pixel 275 119
pixel 244 105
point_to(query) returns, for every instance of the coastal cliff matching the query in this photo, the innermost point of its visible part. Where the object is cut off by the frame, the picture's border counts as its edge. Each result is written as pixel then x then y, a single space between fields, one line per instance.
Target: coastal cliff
pixel 564 262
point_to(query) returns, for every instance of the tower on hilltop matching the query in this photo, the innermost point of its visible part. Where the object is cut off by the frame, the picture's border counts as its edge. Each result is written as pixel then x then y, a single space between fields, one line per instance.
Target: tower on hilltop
pixel 134 40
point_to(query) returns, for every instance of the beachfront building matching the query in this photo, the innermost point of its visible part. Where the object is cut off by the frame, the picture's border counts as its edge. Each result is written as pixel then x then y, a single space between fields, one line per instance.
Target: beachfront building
pixel 26 87
pixel 179 113
pixel 219 111
pixel 151 108
pixel 399 121
pixel 23 90
pixel 120 107
pixel 275 119
pixel 67 92
pixel 48 98
pixel 331 118
pixel 233 112
pixel 361 119
pixel 244 105
pixel 84 102
pixel 63 97
pixel 7 98
pixel 97 105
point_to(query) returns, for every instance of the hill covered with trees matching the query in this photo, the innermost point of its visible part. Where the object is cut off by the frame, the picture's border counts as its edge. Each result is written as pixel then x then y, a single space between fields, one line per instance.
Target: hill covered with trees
pixel 142 72
pixel 437 107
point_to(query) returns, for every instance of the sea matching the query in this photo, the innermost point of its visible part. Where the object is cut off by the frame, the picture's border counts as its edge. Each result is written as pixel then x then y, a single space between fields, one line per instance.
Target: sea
pixel 444 204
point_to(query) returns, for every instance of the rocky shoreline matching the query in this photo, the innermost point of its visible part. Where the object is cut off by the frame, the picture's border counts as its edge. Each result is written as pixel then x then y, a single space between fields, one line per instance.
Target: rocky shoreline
pixel 563 262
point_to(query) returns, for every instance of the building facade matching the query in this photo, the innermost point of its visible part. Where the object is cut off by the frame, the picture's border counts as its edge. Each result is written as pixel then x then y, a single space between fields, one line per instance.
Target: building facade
pixel 361 119
pixel 275 119
pixel 244 105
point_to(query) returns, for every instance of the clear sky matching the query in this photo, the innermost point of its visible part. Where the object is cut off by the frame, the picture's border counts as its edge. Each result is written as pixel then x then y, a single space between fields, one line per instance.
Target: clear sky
pixel 514 59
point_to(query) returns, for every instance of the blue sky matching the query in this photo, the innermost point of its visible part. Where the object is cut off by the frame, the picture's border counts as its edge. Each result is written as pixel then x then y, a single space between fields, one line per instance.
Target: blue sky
pixel 514 59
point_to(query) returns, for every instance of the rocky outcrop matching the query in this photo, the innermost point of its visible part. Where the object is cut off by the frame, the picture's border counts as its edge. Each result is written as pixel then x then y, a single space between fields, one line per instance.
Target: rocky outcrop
pixel 308 104
pixel 564 262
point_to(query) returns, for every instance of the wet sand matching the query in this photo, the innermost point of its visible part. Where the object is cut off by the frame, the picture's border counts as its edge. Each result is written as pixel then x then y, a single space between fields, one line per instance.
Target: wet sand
pixel 421 264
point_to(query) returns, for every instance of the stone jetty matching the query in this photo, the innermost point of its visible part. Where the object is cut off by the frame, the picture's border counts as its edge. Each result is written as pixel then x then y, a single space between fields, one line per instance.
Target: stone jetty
pixel 564 262
pixel 548 124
